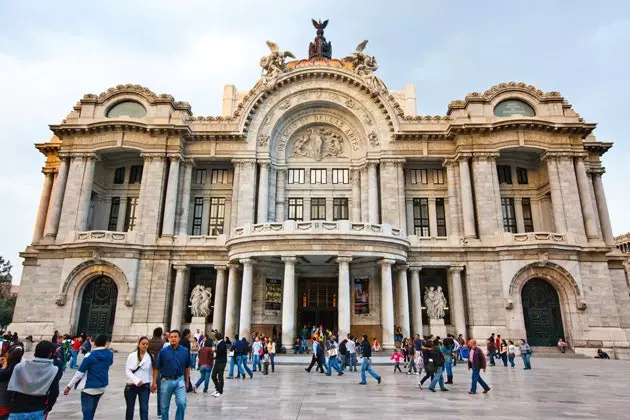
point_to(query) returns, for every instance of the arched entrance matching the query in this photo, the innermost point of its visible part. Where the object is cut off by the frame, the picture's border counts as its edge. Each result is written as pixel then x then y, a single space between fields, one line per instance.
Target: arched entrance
pixel 542 313
pixel 98 307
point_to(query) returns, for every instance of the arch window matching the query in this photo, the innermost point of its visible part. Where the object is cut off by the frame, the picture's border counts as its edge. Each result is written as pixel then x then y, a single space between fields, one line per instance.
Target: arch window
pixel 127 109
pixel 510 107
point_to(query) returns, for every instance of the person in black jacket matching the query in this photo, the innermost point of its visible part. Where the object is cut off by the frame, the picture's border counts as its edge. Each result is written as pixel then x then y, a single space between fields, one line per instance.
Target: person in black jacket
pixel 366 361
pixel 220 360
pixel 477 362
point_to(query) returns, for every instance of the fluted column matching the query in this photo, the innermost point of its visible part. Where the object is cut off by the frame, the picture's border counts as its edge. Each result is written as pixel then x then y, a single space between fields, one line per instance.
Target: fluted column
pixel 402 208
pixel 602 208
pixel 467 199
pixel 451 182
pixel 263 193
pixel 457 306
pixel 289 302
pixel 387 303
pixel 179 296
pixel 245 323
pixel 432 217
pixel 52 222
pixel 281 179
pixel 218 319
pixel 184 200
pixel 487 194
pixel 235 198
pixel 402 300
pixel 585 199
pixel 232 304
pixel 416 303
pixel 44 202
pixel 518 213
pixel 356 195
pixel 86 193
pixel 343 296
pixel 246 192
pixel 151 195
pixel 556 194
pixel 373 195
pixel 170 204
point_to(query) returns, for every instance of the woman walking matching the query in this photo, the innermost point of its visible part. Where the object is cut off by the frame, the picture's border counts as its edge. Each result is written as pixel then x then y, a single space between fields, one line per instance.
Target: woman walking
pixel 194 352
pixel 511 353
pixel 139 370
pixel 526 354
pixel 503 353
pixel 206 363
pixel 271 350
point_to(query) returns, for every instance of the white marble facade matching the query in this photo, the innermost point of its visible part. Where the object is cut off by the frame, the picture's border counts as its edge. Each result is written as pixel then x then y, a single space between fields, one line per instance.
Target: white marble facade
pixel 324 173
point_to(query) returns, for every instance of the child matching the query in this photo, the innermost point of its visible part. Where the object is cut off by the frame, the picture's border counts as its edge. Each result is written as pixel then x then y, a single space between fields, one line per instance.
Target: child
pixel 266 361
pixel 419 362
pixel 396 358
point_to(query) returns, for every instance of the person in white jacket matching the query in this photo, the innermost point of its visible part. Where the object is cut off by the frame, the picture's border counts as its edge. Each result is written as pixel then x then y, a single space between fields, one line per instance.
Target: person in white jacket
pixel 139 371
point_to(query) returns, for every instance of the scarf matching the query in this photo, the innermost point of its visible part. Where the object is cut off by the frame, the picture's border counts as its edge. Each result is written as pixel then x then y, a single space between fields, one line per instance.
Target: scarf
pixel 33 377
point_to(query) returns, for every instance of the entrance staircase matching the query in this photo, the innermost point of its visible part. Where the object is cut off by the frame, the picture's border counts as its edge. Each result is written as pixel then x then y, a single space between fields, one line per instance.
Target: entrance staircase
pixel 553 352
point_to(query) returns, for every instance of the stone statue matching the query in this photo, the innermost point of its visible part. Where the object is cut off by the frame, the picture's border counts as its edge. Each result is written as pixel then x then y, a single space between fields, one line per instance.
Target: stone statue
pixel 435 302
pixel 273 64
pixel 200 301
pixel 440 303
pixel 318 143
pixel 365 65
pixel 319 48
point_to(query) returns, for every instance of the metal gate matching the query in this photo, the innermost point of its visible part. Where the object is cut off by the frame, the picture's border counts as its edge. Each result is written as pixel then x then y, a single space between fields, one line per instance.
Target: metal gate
pixel 541 310
pixel 98 307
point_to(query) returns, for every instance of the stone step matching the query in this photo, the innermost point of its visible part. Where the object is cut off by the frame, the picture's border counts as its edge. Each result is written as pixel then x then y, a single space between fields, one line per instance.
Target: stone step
pixel 553 352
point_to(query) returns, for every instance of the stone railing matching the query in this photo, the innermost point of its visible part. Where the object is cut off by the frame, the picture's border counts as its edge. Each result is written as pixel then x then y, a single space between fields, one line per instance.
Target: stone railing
pixel 344 227
pixel 203 240
pixel 104 236
pixel 539 237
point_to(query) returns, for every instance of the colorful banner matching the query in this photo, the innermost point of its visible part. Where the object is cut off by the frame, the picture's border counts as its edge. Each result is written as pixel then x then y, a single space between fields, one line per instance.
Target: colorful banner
pixel 273 296
pixel 362 296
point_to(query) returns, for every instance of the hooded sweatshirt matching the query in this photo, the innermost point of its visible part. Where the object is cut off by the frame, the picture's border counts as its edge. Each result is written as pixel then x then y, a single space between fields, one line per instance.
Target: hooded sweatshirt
pixel 35 384
pixel 93 374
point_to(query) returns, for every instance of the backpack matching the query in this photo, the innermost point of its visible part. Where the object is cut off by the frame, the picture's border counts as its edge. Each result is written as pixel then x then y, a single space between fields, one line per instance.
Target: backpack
pixel 342 348
pixel 439 359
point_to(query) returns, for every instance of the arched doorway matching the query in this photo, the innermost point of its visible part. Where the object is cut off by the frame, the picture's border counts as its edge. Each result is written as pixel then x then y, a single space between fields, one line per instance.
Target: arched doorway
pixel 98 307
pixel 542 313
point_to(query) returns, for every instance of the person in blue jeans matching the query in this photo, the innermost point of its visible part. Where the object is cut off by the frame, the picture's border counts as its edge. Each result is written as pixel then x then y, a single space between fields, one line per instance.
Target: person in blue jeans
pixel 477 362
pixel 448 350
pixel 257 351
pixel 206 362
pixel 173 364
pixel 241 361
pixel 436 364
pixel 526 354
pixel 92 377
pixel 233 357
pixel 333 360
pixel 366 362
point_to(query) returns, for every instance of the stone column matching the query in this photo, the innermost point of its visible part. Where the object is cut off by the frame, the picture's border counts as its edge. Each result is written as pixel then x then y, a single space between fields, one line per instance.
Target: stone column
pixel 432 218
pixel 218 319
pixel 170 204
pixel 402 301
pixel 179 296
pixel 184 201
pixel 281 194
pixel 245 323
pixel 231 312
pixel 151 195
pixel 451 181
pixel 585 199
pixel 235 191
pixel 86 193
pixel 343 296
pixel 416 303
pixel 356 195
pixel 364 195
pixel 402 208
pixel 518 213
pixel 44 201
pixel 556 194
pixel 467 198
pixel 390 186
pixel 52 222
pixel 487 194
pixel 263 193
pixel 387 303
pixel 373 195
pixel 288 302
pixel 246 192
pixel 602 208
pixel 457 306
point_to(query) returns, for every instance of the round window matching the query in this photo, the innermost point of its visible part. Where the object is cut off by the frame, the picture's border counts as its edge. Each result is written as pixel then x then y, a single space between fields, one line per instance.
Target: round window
pixel 127 109
pixel 511 107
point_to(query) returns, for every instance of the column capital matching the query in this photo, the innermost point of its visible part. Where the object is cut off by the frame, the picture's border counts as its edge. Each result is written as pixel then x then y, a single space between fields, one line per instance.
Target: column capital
pixel 84 155
pixel 180 267
pixel 485 155
pixel 152 155
pixel 416 268
pixel 246 261
pixel 64 155
pixel 244 162
pixel 174 156
pixel 263 163
pixel 372 163
pixel 402 267
pixel 392 161
pixel 462 156
pixel 289 260
pixel 556 155
pixel 387 261
pixel 596 171
pixel 346 260
pixel 221 267
pixel 450 162
pixel 456 269
pixel 49 171
pixel 233 266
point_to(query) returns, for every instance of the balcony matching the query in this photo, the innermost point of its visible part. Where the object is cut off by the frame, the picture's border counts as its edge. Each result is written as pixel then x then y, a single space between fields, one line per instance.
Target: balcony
pixel 105 236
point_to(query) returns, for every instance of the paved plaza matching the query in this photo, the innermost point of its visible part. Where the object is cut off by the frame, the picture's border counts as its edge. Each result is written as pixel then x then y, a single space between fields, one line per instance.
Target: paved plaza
pixel 555 388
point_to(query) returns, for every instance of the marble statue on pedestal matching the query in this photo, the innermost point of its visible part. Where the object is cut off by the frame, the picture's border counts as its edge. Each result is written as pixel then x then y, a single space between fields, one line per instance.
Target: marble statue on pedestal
pixel 200 298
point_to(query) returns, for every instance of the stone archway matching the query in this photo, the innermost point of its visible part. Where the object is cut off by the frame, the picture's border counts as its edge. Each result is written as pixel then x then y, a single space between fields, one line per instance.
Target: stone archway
pixel 542 313
pixel 97 312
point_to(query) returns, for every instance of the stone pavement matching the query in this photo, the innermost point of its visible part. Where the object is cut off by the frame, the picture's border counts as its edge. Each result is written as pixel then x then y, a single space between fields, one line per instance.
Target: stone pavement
pixel 554 389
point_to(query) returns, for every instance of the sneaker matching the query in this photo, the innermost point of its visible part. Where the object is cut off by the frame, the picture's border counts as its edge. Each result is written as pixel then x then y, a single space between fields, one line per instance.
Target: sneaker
pixel 251 376
pixel 307 371
pixel 485 391
pixel 230 377
pixel 362 383
pixel 340 374
pixel 432 390
pixel 470 392
pixel 217 395
pixel 379 380
pixel 444 390
pixel 409 373
pixel 214 393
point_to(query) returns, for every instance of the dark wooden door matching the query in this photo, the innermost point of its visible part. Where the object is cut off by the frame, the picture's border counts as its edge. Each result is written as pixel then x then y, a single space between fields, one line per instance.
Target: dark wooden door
pixel 317 302
pixel 543 317
pixel 98 307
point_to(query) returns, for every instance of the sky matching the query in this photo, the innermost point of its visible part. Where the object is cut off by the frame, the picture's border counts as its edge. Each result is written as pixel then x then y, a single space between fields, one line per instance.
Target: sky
pixel 52 53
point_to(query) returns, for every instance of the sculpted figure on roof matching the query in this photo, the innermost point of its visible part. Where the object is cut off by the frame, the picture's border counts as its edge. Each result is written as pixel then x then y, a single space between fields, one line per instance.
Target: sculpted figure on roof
pixel 365 65
pixel 273 64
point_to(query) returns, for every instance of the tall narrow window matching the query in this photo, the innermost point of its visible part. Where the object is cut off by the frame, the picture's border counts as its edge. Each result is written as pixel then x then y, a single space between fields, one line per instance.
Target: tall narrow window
pixel 421 217
pixel 318 176
pixel 438 176
pixel 505 174
pixel 296 209
pixel 217 216
pixel 318 208
pixel 521 176
pixel 340 176
pixel 340 209
pixel 130 214
pixel 440 217
pixel 135 174
pixel 200 176
pixel 114 209
pixel 197 216
pixel 220 176
pixel 418 176
pixel 528 221
pixel 509 216
pixel 295 176
pixel 119 175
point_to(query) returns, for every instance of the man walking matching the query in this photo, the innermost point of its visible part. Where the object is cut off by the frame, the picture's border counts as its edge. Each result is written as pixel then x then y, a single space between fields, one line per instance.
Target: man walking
pixel 351 348
pixel 477 362
pixel 241 361
pixel 173 364
pixel 366 361
pixel 318 357
pixel 219 365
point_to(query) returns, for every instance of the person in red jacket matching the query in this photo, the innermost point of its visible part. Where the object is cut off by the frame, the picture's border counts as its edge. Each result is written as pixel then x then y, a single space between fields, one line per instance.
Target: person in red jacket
pixel 477 362
pixel 74 351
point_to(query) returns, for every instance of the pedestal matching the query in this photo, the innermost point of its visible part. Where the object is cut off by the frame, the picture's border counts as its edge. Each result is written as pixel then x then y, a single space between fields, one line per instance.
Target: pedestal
pixel 437 328
pixel 198 323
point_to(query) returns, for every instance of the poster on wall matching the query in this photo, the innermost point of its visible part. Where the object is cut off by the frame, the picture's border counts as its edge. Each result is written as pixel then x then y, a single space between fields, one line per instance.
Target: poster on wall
pixel 362 295
pixel 273 296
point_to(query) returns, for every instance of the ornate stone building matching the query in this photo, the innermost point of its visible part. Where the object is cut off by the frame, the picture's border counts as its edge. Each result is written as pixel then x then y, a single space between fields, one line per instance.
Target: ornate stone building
pixel 319 196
